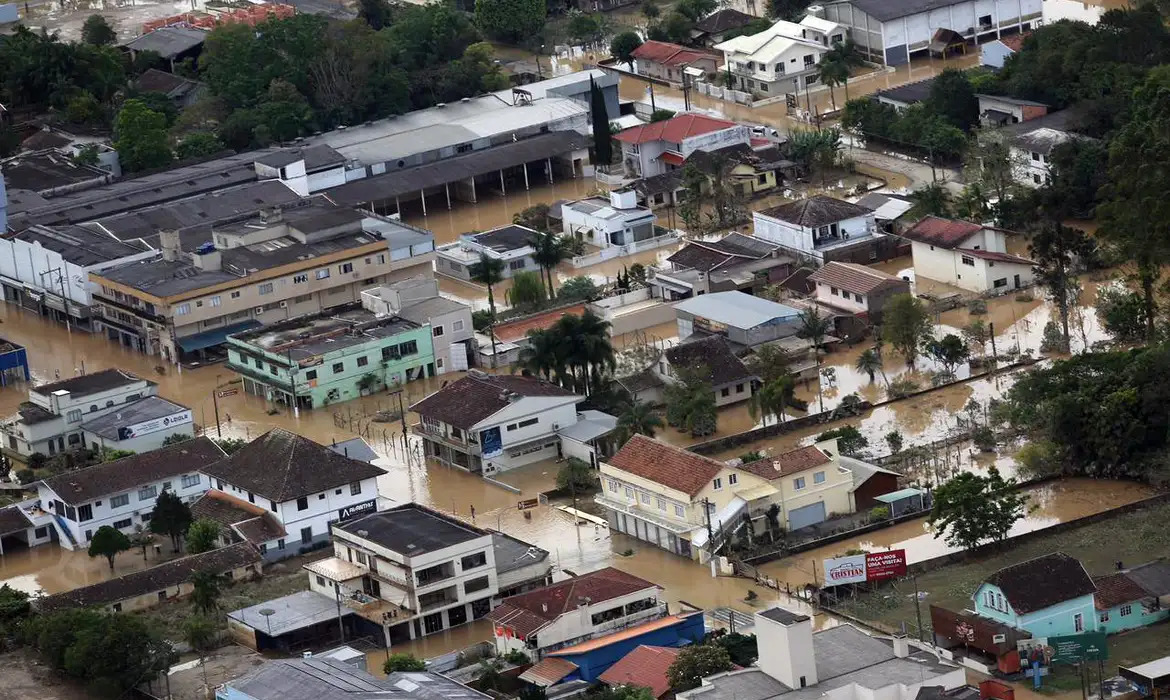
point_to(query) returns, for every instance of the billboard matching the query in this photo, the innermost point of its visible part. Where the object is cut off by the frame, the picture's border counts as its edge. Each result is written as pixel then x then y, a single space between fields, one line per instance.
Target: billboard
pixel 491 442
pixel 865 568
pixel 1066 649
pixel 153 426
pixel 363 508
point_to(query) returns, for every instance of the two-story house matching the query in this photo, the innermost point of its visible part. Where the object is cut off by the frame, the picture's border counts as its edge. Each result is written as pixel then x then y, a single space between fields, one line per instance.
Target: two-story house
pixel 967 255
pixel 52 419
pixel 510 244
pixel 306 486
pixel 857 289
pixel 734 263
pixel 659 147
pixel 1032 143
pixel 616 221
pixel 781 59
pixel 812 484
pixel 576 610
pixel 821 229
pixel 491 423
pixel 1047 596
pixel 122 493
pixel 713 359
pixel 417 299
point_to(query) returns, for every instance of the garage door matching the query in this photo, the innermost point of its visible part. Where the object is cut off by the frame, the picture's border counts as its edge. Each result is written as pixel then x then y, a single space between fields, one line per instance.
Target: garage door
pixel 808 515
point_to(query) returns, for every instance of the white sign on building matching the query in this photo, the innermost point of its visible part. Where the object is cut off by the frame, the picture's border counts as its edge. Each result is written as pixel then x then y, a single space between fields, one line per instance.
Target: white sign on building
pixel 155 425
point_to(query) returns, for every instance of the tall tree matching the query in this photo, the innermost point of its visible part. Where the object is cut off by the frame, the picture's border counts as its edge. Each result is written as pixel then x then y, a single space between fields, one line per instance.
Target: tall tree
pixel 949 351
pixel 205 591
pixel 201 634
pixel 869 362
pixel 108 542
pixel 773 398
pixel 769 362
pixel 1057 249
pixel 489 272
pixel 814 327
pixel 202 536
pixel 905 325
pixel 696 662
pixel 140 137
pixel 97 31
pixel 170 517
pixel 548 251
pixel 833 71
pixel 638 418
pixel 510 20
pixel 623 46
pixel 690 402
pixel 545 354
pixel 971 508
pixel 953 98
pixel 602 139
pixel 527 290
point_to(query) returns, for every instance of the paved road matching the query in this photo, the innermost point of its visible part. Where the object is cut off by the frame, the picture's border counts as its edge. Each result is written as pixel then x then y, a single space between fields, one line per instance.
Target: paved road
pixel 919 173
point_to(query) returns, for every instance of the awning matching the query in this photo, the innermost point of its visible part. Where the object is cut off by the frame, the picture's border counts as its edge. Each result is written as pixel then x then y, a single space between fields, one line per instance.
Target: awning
pixel 547 672
pixel 672 158
pixel 898 495
pixel 218 336
pixel 757 492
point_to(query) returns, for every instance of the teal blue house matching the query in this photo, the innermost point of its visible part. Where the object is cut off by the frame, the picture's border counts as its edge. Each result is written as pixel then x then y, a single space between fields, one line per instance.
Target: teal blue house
pixel 1047 596
pixel 1134 597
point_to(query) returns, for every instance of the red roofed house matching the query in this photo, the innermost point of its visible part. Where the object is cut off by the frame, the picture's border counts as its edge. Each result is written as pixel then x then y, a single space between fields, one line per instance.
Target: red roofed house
pixel 653 149
pixel 644 667
pixel 666 61
pixel 966 255
pixel 575 610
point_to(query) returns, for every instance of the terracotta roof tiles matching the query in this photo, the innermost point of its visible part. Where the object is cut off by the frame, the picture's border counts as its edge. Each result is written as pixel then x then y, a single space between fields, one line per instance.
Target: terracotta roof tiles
pixel 858 279
pixel 645 667
pixel 528 612
pixel 473 398
pixel 1117 589
pixel 673 467
pixel 674 130
pixel 946 233
pixel 787 463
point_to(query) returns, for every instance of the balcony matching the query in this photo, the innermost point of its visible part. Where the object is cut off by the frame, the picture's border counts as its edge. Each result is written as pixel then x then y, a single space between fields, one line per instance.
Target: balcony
pixel 438 599
pixel 652 613
pixel 679 527
pixel 463 443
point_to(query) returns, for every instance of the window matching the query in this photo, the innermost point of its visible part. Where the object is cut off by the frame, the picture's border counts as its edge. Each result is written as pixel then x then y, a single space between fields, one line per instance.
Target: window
pixel 122 524
pixel 263 548
pixel 613 485
pixel 809 60
pixel 323 273
pixel 1036 179
pixel 265 288
pixel 1001 282
pixel 162 595
pixel 473 561
pixel 528 422
pixel 303 503
pixel 680 512
pixel 968 261
pixel 763 86
pixel 739 388
pixel 1104 617
pixel 355 488
pixel 725 391
pixel 463 148
pixel 645 498
pixel 1123 612
pixel 798 483
pixel 457 325
pixel 476 584
pixel 819 478
pixel 437 331
pixel 183 309
pixel 363 361
pixel 985 21
pixel 999 602
pixel 235 295
pixel 717 484
pixel 84 513
pixel 301 278
pixel 311 375
pixel 410 347
pixel 147 492
pixel 190 480
pixel 306 534
pixel 1079 623
pixel 120 500
pixel 517 264
pixel 74 416
pixel 661 503
pixel 272 506
pixel 732 479
pixel 215 300
pixel 456 433
pixel 629 492
pixel 338 367
pixel 1035 156
pixel 345 268
pixel 117 607
pixel 320 497
pixel 990 599
pixel 280 544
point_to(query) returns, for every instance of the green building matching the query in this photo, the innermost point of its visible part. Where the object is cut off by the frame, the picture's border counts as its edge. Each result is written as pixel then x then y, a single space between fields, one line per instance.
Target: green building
pixel 337 355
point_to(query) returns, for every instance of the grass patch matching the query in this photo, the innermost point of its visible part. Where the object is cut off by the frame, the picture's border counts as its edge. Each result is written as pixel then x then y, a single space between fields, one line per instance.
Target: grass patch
pixel 1126 649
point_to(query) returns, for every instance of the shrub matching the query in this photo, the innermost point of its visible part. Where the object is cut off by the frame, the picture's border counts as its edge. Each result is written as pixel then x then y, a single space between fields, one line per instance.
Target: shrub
pixel 901 388
pixel 37 460
pixel 879 512
pixel 515 656
pixel 26 476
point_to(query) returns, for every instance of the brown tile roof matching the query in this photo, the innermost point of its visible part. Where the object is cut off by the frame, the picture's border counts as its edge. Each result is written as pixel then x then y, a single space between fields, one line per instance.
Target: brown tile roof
pixel 644 667
pixel 1042 582
pixel 513 331
pixel 156 578
pixel 818 210
pixel 858 279
pixel 12 519
pixel 712 353
pixel 528 612
pixel 465 402
pixel 249 521
pixel 721 21
pixel 282 466
pixel 945 233
pixel 673 467
pixel 999 257
pixel 1117 589
pixel 790 462
pixel 110 478
pixel 548 671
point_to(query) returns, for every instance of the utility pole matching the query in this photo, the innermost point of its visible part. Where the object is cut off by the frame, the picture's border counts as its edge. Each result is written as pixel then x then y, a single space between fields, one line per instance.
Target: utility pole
pixel 215 402
pixel 64 298
pixel 292 383
pixel 653 107
pixel 991 334
pixel 918 610
pixel 340 619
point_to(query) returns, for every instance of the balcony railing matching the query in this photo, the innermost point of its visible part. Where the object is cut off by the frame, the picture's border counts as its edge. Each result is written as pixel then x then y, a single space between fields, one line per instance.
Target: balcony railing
pixel 632 619
pixel 439 603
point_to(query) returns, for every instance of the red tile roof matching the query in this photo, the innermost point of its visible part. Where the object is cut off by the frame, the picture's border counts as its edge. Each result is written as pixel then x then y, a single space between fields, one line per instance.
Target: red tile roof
pixel 527 613
pixel 1117 589
pixel 855 278
pixel 673 467
pixel 672 158
pixel 674 130
pixel 669 54
pixel 512 331
pixel 465 402
pixel 548 671
pixel 788 463
pixel 644 667
pixel 946 233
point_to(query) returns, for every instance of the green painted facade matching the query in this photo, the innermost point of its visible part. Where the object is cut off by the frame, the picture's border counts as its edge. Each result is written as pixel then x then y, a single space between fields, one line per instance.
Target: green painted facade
pixel 337 375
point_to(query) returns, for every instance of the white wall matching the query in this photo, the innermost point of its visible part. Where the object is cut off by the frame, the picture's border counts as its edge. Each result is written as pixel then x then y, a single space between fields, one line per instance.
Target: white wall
pixel 825 294
pixel 782 232
pixel 947 266
pixel 716 139
pixel 133 511
pixel 140 443
pixel 1029 167
pixel 548 411
pixel 35 265
pixel 577 624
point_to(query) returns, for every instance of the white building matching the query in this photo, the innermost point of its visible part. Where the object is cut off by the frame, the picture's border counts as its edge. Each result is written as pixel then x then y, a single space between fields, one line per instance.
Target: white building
pixel 122 493
pixel 1031 144
pixel 305 486
pixel 821 228
pixel 582 608
pixel 510 244
pixel 857 289
pixel 781 59
pixel 139 427
pixel 839 663
pixel 994 54
pixel 616 221
pixel 51 421
pixel 967 255
pixel 491 423
pixel 656 148
pixel 891 32
pixel 417 299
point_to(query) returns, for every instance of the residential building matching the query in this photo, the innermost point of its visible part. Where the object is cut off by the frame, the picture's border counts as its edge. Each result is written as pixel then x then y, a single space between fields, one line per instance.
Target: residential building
pixel 417 299
pixel 122 493
pixel 812 484
pixel 412 570
pixel 24 525
pixel 1031 143
pixel 749 169
pixel 13 363
pixel 256 270
pixel 1132 598
pixel 841 663
pixel 658 147
pixel 891 33
pixel 323 678
pixel 520 566
pixel 857 289
pixel 305 485
pixel 888 209
pixel 510 244
pixel 51 420
pixel 821 229
pixel 714 27
pixel 734 263
pixel 161 583
pixel 50 172
pixel 995 53
pixel 241 521
pixel 744 320
pixel 183 92
pixel 902 96
pixel 141 426
pixel 666 61
pixel 502 347
pixel 712 359
pixel 491 423
pixel 1048 596
pixel 644 667
pixel 332 356
pixel 1000 110
pixel 171 44
pixel 616 221
pixel 781 59
pixel 50 137
pixel 579 609
pixel 967 255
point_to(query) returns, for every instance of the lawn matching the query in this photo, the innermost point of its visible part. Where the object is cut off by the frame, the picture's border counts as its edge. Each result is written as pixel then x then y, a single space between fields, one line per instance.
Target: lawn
pixel 1128 649
pixel 1132 538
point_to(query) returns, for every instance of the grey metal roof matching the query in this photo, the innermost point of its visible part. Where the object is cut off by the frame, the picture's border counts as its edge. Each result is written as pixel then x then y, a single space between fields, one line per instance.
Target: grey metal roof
pixel 590 425
pixel 505 238
pixel 886 10
pixel 512 554
pixel 80 245
pixel 736 309
pixel 290 613
pixel 1153 577
pixel 355 448
pixel 168 42
pixel 150 408
pixel 818 210
pixel 48 169
pixel 318 678
pixel 784 617
pixel 412 180
pixel 316 157
pixel 910 93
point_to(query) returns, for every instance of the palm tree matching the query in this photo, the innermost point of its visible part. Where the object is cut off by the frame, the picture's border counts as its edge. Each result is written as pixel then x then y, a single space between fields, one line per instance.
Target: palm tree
pixel 593 348
pixel 543 355
pixel 639 418
pixel 773 398
pixel 489 271
pixel 814 327
pixel 869 362
pixel 769 362
pixel 832 71
pixel 847 57
pixel 548 252
pixel 932 199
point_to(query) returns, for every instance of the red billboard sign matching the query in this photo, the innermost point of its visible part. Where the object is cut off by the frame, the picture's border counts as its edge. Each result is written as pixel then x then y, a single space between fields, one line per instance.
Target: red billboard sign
pixel 880 566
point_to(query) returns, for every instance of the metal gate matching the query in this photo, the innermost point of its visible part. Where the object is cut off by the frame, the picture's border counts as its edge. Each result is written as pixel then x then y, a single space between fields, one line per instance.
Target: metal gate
pixel 808 515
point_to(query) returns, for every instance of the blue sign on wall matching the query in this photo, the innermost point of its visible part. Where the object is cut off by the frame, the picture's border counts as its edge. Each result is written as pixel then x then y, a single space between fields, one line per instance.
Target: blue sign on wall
pixel 491 442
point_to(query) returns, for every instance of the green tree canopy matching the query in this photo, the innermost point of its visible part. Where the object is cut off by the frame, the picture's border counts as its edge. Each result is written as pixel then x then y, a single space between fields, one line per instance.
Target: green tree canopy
pixel 906 324
pixel 623 45
pixel 971 508
pixel 97 31
pixel 850 440
pixel 403 662
pixel 510 20
pixel 696 662
pixel 170 517
pixel 576 474
pixel 108 542
pixel 202 536
pixel 140 137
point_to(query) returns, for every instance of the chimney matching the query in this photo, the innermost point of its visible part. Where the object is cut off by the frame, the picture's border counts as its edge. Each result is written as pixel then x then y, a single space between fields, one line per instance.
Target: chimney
pixel 306 654
pixel 168 240
pixel 901 646
pixel 544 607
pixel 788 637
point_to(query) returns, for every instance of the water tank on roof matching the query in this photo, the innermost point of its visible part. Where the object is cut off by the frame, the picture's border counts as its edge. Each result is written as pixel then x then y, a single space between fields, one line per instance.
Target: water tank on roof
pixel 205 248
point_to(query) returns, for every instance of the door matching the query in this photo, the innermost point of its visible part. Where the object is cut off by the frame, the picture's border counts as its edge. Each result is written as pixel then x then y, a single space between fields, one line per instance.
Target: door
pixel 1017 281
pixel 457 616
pixel 808 515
